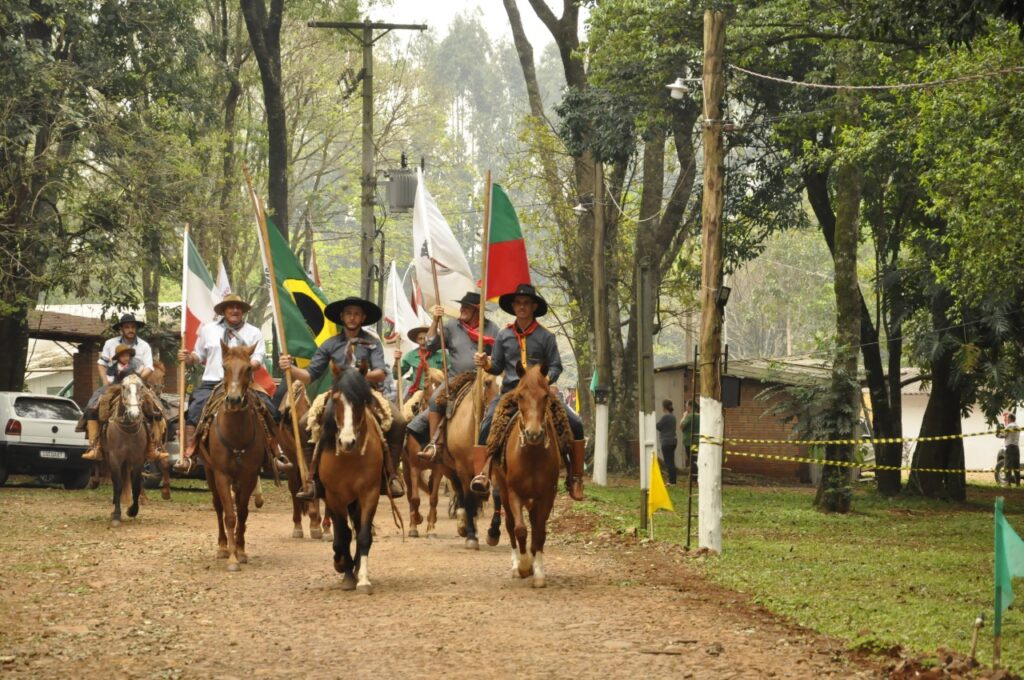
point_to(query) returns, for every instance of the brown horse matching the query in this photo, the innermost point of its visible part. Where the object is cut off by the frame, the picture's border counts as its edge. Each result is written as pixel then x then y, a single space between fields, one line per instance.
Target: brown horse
pixel 155 382
pixel 285 439
pixel 125 439
pixel 233 453
pixel 351 461
pixel 458 467
pixel 412 468
pixel 527 477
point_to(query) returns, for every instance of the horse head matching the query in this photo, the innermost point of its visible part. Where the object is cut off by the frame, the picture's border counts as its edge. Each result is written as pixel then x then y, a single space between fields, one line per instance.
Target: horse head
pixel 532 396
pixel 131 397
pixel 350 396
pixel 237 373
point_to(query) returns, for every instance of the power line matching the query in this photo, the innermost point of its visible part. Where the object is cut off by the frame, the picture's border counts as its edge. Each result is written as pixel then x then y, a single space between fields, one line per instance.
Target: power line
pixel 894 86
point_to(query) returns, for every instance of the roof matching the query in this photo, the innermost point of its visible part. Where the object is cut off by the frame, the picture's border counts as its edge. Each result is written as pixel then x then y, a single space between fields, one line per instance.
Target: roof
pixel 66 327
pixel 786 371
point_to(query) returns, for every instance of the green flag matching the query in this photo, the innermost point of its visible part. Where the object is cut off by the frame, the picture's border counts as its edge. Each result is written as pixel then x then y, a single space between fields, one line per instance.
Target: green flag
pixel 593 382
pixel 1009 563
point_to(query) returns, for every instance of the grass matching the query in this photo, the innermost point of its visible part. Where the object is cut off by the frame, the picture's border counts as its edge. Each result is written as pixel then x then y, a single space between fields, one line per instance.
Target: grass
pixel 908 572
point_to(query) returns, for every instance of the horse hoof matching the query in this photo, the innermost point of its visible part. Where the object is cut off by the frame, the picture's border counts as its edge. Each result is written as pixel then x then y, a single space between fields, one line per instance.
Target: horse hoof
pixel 115 523
pixel 222 553
pixel 165 494
pixel 538 582
pixel 234 567
pixel 297 533
pixel 431 534
pixel 472 544
pixel 413 532
pixel 493 537
pixel 133 511
pixel 316 533
pixel 258 502
pixel 243 558
pixel 366 589
pixel 348 583
pixel 461 522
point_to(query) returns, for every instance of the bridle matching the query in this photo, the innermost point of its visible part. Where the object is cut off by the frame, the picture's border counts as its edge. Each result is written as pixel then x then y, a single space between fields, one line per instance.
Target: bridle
pixel 125 422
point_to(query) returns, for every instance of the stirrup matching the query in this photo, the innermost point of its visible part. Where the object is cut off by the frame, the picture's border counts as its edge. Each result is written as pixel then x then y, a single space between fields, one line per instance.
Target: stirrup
pixel 428 453
pixel 480 485
pixel 309 491
pixel 282 463
pixel 184 464
pixel 92 454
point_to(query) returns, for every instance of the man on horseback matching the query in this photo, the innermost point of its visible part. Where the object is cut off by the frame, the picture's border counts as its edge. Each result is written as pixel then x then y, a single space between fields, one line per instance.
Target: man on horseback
pixel 351 314
pixel 460 336
pixel 234 331
pixel 125 352
pixel 525 341
pixel 415 362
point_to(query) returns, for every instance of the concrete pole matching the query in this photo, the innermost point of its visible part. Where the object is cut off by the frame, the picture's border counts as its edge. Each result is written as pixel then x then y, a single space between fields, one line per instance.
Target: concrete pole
pixel 368 173
pixel 602 363
pixel 712 426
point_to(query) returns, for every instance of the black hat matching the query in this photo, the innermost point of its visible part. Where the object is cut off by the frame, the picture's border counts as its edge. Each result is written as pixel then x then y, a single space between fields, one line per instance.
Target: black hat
pixel 470 298
pixel 505 301
pixel 333 311
pixel 128 318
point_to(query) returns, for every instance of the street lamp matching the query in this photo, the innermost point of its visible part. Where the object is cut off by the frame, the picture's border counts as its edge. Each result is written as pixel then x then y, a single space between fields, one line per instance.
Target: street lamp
pixel 678 89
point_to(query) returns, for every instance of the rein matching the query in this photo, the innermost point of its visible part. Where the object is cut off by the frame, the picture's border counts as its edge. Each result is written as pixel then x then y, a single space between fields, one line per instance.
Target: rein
pixel 237 452
pixel 522 432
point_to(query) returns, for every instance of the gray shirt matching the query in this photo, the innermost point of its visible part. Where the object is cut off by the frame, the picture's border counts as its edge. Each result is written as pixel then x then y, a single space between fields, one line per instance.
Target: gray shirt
pixel 460 346
pixel 541 348
pixel 667 428
pixel 336 349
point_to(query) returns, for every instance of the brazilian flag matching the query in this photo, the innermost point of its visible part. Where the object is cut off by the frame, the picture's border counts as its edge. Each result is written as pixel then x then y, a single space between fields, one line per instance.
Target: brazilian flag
pixel 302 301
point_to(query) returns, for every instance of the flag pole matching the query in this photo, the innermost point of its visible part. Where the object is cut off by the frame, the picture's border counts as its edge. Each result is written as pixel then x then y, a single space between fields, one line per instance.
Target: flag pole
pixel 440 327
pixel 401 383
pixel 398 361
pixel 184 315
pixel 997 619
pixel 478 388
pixel 261 222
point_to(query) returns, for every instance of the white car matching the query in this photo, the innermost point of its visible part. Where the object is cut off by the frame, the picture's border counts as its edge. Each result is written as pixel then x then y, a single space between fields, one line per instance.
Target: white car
pixel 39 438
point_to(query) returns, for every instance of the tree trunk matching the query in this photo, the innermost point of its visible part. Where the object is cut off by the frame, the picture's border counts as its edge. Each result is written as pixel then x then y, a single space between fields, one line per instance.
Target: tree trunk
pixel 14 334
pixel 265 36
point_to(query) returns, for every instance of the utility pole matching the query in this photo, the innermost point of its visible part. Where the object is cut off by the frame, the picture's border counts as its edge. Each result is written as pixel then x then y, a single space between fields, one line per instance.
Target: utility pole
pixel 368 181
pixel 602 361
pixel 712 427
pixel 646 417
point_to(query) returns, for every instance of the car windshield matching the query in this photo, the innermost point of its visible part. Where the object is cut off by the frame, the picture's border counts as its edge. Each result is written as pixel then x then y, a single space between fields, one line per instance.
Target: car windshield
pixel 46 409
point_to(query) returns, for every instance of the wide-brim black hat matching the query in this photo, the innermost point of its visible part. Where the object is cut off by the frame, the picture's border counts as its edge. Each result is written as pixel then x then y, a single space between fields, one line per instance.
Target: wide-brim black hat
pixel 470 298
pixel 128 318
pixel 505 301
pixel 333 311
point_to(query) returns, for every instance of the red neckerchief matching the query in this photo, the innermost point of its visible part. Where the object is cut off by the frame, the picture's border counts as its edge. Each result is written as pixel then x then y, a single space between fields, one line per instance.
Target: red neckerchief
pixel 521 337
pixel 419 370
pixel 474 334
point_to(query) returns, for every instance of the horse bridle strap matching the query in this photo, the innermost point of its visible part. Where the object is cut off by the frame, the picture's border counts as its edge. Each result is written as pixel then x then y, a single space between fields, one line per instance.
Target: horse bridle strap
pixel 522 432
pixel 227 445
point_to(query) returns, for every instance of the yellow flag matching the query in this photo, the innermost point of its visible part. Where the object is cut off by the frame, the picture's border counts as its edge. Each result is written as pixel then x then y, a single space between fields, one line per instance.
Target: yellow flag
pixel 657 496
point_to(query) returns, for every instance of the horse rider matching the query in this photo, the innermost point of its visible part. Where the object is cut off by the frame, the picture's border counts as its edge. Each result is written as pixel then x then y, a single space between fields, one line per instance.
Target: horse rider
pixel 526 341
pixel 234 331
pixel 460 337
pixel 123 361
pixel 351 314
pixel 415 362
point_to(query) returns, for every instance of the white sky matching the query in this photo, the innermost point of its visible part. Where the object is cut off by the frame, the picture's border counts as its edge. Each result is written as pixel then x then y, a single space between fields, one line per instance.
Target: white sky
pixel 438 15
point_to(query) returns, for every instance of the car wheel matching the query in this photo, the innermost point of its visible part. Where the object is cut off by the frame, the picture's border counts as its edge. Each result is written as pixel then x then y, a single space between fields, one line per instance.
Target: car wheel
pixel 76 479
pixel 1002 478
pixel 3 473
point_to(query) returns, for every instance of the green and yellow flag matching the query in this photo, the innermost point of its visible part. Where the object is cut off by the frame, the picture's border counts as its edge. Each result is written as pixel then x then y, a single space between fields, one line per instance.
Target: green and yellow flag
pixel 1009 563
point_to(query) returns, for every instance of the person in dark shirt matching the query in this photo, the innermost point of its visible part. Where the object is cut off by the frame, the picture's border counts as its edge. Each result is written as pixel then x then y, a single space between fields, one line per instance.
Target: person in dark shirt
pixel 691 431
pixel 351 314
pixel 525 341
pixel 667 438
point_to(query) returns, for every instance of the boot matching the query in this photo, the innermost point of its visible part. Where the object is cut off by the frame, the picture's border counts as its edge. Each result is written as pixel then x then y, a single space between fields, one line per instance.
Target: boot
pixel 390 484
pixel 481 483
pixel 92 431
pixel 311 489
pixel 184 464
pixel 574 476
pixel 429 453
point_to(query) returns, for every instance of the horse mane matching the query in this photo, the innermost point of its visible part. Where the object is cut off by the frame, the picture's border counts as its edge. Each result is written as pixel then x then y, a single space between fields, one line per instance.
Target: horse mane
pixel 121 375
pixel 352 385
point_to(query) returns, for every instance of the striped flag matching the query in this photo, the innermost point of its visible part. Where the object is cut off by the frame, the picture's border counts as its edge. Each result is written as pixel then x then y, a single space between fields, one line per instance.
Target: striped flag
pixel 199 297
pixel 507 264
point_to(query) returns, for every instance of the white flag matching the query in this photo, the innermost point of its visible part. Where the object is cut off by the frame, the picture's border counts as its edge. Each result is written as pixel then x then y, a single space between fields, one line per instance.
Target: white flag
pixel 223 286
pixel 399 318
pixel 433 239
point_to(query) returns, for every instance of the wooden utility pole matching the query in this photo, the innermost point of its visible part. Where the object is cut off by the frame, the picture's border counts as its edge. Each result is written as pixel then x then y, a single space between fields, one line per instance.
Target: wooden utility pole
pixel 602 361
pixel 367 38
pixel 712 429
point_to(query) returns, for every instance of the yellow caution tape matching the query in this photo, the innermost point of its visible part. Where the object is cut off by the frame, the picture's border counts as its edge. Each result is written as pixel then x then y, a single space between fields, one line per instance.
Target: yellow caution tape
pixel 865 440
pixel 863 466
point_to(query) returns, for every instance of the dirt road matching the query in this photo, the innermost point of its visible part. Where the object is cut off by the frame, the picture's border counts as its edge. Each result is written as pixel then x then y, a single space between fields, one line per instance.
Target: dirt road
pixel 78 599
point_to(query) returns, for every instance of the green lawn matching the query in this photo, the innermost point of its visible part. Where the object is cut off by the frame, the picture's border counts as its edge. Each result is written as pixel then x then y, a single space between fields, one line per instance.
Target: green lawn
pixel 910 572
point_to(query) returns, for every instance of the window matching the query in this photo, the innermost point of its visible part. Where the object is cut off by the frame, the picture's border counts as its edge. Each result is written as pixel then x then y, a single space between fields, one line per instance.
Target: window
pixel 46 409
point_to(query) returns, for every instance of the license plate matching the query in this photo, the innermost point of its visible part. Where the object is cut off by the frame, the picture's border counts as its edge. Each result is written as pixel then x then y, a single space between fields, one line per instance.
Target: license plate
pixel 56 455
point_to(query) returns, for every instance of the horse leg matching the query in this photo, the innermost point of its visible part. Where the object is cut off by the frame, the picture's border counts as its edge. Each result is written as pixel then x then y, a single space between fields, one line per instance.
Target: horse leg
pixel 227 517
pixel 133 509
pixel 117 481
pixel 297 506
pixel 494 531
pixel 258 496
pixel 460 506
pixel 411 474
pixel 472 506
pixel 165 480
pixel 510 526
pixel 435 486
pixel 343 549
pixel 245 489
pixel 524 565
pixel 218 507
pixel 539 513
pixel 365 509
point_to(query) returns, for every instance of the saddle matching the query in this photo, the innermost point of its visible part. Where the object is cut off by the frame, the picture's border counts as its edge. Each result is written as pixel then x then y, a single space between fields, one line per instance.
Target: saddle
pixel 505 415
pixel 152 409
pixel 216 400
pixel 381 411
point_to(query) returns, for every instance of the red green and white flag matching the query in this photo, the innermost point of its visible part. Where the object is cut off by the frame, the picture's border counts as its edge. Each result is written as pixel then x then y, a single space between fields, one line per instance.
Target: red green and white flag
pixel 507 264
pixel 197 293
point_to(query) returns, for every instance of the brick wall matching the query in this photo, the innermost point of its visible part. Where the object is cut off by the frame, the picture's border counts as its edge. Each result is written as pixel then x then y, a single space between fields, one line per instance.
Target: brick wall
pixel 84 371
pixel 747 421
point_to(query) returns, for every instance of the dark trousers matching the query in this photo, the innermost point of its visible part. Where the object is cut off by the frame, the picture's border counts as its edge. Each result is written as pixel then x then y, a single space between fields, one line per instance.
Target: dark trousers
pixel 668 465
pixel 1013 465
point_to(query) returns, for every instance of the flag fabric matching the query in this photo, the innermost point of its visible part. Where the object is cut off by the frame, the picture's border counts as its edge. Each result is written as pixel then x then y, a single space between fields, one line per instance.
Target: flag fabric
pixel 302 323
pixel 313 271
pixel 433 240
pixel 223 286
pixel 399 318
pixel 198 293
pixel 507 264
pixel 1009 563
pixel 657 497
pixel 411 289
pixel 593 381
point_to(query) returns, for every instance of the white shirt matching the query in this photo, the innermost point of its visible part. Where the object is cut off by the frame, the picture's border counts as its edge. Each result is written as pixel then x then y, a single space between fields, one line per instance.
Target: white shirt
pixel 208 347
pixel 143 352
pixel 1012 438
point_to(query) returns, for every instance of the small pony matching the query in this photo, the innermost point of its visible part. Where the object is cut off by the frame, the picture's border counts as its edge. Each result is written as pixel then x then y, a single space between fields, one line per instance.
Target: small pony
pixel 125 440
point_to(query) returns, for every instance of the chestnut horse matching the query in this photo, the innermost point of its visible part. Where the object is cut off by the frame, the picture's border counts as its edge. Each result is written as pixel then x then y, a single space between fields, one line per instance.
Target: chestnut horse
pixel 285 437
pixel 125 439
pixel 527 477
pixel 233 453
pixel 413 468
pixel 351 460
